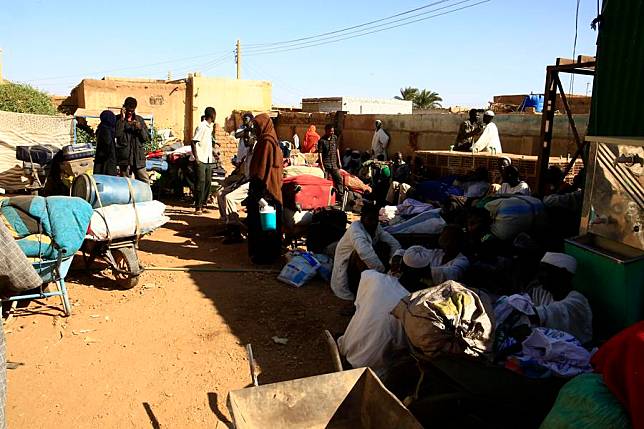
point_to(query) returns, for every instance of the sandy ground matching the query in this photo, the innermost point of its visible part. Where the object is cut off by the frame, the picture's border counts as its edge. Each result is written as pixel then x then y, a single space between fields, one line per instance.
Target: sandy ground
pixel 166 353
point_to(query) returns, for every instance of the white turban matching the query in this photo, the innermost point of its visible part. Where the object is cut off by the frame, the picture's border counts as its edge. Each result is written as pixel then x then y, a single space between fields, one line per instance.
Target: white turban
pixel 561 260
pixel 488 113
pixel 417 257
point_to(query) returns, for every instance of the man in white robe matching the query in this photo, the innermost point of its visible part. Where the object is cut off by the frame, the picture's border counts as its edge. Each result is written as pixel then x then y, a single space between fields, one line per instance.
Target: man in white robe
pixel 489 140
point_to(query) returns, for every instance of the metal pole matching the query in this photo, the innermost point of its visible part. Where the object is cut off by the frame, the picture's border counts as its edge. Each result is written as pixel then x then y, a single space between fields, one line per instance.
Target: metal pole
pixel 238 59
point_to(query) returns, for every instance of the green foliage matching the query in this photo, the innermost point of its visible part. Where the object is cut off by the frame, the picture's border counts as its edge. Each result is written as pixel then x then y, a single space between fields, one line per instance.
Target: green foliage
pixel 23 98
pixel 155 141
pixel 427 100
pixel 424 99
pixel 85 134
pixel 407 93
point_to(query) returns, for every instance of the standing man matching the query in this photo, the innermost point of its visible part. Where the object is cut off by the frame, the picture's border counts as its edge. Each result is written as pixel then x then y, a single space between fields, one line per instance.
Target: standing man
pixel 489 140
pixel 469 129
pixel 202 151
pixel 380 141
pixel 329 158
pixel 296 138
pixel 131 136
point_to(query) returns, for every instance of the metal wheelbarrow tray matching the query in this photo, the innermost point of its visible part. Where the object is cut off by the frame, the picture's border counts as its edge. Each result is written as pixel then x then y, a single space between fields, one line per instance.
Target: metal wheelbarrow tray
pixel 347 399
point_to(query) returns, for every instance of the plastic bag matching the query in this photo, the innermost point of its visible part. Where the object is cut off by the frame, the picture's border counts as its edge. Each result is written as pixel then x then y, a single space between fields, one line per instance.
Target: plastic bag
pixel 326 266
pixel 299 270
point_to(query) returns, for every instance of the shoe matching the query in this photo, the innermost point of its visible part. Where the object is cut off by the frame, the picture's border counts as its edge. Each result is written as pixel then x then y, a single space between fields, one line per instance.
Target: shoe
pixel 198 211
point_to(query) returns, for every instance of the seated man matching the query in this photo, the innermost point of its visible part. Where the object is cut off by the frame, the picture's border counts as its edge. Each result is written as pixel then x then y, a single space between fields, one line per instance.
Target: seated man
pixel 229 197
pixel 447 262
pixel 365 245
pixel 374 335
pixel 549 303
pixel 467 132
pixel 489 140
pixel 556 304
pixel 512 183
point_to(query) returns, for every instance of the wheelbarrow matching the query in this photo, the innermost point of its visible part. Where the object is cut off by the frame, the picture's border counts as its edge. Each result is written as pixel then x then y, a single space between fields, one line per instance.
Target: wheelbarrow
pixel 345 399
pixel 120 254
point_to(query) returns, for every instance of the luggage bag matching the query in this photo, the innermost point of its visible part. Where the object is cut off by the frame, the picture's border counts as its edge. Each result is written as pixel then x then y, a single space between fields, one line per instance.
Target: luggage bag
pixel 78 151
pixel 307 192
pixel 36 154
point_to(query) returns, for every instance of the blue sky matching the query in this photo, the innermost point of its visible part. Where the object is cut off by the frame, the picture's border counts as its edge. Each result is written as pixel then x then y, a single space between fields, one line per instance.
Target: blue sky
pixel 468 56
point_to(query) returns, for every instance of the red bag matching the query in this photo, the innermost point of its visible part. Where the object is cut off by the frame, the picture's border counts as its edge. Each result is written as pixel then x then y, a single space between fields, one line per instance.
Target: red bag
pixel 307 192
pixel 353 183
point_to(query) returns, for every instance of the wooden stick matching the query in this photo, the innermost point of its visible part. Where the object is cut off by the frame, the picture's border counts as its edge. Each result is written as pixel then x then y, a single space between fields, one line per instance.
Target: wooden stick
pixel 208 269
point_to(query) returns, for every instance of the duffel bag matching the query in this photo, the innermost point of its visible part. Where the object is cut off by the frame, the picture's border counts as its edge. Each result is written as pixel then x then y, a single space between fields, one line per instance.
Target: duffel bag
pixel 37 154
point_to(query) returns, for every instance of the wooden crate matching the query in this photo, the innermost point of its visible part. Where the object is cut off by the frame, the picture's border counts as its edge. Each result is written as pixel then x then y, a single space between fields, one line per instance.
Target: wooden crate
pixel 446 163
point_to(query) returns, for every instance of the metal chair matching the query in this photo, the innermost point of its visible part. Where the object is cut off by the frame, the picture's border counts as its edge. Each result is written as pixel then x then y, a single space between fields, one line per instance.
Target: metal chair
pixel 50 271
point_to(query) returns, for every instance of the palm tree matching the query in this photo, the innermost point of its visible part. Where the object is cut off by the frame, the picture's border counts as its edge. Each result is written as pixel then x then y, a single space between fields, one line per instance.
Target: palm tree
pixel 427 100
pixel 408 93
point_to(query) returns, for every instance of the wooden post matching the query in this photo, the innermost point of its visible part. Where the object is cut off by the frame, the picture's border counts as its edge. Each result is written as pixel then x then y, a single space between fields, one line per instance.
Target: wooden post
pixel 238 59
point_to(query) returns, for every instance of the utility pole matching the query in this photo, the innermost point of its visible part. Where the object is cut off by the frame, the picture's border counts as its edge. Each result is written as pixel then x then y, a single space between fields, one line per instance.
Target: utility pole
pixel 238 59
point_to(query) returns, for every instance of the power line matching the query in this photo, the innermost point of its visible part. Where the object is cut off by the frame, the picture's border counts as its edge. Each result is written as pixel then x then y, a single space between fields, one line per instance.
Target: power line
pixel 371 27
pixel 574 47
pixel 370 32
pixel 350 28
pixel 127 68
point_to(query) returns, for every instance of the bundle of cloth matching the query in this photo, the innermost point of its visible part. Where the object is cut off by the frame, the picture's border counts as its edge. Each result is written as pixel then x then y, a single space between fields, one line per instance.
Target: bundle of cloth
pixel 428 222
pixel 126 220
pixel 47 227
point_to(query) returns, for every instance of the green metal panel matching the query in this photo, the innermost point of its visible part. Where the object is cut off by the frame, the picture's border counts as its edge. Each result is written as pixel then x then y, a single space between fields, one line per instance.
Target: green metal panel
pixel 614 287
pixel 618 89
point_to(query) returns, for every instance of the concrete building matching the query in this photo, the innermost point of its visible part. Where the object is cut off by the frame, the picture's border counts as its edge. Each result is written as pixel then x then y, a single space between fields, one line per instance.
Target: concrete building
pixel 357 106
pixel 175 104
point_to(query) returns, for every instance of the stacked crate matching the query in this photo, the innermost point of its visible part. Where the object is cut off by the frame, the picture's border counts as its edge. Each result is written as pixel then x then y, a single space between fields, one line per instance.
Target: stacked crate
pixel 446 163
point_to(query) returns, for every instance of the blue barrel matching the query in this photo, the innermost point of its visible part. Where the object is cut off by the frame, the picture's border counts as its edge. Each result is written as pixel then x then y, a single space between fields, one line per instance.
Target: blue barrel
pixel 534 100
pixel 112 190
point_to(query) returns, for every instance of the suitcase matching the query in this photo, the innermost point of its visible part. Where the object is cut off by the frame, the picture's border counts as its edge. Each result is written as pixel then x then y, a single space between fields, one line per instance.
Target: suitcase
pixel 37 154
pixel 76 167
pixel 306 192
pixel 78 151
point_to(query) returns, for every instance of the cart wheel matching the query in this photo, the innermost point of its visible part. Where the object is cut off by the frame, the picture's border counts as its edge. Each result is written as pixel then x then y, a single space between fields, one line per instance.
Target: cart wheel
pixel 126 260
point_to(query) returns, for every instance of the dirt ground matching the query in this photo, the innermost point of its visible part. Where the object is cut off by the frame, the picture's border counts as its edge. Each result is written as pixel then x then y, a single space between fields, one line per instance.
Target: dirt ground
pixel 166 353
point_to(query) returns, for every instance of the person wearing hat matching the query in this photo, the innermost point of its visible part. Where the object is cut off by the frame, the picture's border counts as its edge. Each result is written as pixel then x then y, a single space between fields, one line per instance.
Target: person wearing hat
pixel 374 336
pixel 556 304
pixel 467 132
pixel 364 246
pixel 380 141
pixel 512 183
pixel 489 140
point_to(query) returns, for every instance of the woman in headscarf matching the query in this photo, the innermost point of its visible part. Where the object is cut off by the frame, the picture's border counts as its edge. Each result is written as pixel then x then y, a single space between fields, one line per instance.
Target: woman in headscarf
pixel 310 140
pixel 266 166
pixel 105 160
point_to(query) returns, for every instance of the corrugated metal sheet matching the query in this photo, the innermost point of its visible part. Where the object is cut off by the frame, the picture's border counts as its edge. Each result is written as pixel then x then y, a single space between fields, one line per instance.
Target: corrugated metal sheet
pixel 618 90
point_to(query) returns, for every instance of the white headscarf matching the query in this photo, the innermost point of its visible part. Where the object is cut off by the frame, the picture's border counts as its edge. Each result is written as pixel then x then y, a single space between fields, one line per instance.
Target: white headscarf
pixel 561 260
pixel 417 257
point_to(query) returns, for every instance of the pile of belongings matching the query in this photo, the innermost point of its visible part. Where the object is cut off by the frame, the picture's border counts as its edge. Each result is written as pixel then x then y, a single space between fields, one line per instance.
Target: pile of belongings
pixel 139 216
pixel 447 319
pixel 45 228
pixel 535 352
